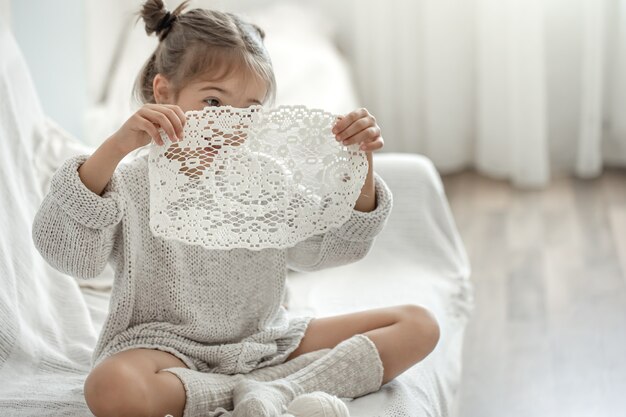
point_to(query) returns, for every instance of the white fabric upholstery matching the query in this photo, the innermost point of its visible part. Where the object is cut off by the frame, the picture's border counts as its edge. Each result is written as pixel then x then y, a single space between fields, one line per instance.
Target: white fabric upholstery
pixel 46 333
pixel 49 324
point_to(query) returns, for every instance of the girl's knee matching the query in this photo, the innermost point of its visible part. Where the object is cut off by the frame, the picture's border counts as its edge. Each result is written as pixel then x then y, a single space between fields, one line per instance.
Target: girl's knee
pixel 117 388
pixel 424 325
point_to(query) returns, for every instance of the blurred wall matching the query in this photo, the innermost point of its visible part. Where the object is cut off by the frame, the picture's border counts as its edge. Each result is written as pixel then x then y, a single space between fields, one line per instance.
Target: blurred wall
pixel 81 37
pixel 107 20
pixel 5 10
pixel 51 36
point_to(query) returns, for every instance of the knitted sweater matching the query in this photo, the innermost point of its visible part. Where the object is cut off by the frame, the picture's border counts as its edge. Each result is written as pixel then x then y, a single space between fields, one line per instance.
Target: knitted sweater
pixel 217 310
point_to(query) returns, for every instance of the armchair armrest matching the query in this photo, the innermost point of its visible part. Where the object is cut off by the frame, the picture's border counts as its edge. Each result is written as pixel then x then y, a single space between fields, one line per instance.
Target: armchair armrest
pixel 421 228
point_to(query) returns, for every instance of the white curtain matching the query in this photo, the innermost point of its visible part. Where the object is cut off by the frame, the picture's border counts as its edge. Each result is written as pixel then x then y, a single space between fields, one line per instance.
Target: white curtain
pixel 518 89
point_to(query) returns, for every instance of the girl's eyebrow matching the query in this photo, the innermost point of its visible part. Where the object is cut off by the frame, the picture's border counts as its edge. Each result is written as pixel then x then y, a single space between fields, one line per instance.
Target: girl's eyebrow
pixel 209 87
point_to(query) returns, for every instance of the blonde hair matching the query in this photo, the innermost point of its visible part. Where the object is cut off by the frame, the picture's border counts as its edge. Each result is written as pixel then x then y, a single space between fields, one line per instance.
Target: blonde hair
pixel 198 39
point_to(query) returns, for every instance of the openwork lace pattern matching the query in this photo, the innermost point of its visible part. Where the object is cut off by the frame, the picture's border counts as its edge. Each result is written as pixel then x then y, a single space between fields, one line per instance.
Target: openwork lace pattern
pixel 253 178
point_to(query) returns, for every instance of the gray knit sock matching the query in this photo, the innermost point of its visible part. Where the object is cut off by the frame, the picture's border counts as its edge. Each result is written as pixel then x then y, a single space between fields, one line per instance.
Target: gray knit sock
pixel 351 369
pixel 210 394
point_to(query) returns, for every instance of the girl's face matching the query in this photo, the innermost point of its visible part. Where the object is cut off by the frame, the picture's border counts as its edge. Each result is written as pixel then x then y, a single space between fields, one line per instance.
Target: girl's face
pixel 236 90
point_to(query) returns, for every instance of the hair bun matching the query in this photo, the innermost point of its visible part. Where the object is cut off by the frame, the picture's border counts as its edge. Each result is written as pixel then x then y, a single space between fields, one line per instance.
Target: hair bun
pixel 157 18
pixel 165 23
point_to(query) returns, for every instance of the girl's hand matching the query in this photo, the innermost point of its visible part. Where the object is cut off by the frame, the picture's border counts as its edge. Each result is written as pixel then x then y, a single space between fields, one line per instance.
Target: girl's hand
pixel 359 127
pixel 142 126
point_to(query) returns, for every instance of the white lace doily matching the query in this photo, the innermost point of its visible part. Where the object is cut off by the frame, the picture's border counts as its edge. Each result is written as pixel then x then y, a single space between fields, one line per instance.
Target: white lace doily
pixel 253 178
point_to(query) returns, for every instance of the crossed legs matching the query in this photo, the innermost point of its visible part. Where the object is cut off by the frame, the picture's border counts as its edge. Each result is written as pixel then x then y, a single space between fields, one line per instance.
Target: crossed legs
pixel 130 382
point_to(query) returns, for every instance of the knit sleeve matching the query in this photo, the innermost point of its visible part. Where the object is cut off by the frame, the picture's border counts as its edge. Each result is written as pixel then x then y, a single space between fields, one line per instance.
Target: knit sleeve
pixel 75 229
pixel 349 242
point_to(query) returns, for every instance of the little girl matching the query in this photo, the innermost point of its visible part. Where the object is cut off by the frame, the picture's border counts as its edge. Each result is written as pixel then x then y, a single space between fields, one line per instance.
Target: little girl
pixel 193 331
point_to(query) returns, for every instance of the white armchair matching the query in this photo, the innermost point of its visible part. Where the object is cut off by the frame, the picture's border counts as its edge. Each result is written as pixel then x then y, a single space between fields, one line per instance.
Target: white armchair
pixel 49 324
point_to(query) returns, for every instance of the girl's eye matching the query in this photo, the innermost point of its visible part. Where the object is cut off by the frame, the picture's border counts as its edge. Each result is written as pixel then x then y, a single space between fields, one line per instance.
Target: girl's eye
pixel 212 100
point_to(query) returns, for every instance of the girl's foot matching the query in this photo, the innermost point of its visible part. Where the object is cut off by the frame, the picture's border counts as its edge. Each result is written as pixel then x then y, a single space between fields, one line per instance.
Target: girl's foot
pixel 263 399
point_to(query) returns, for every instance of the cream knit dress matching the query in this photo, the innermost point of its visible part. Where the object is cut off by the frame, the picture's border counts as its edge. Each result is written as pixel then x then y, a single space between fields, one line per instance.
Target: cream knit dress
pixel 219 311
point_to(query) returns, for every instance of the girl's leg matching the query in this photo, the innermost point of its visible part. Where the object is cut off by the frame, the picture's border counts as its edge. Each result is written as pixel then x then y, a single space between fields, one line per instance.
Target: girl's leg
pixel 130 383
pixel 149 382
pixel 213 393
pixel 134 382
pixel 403 335
pixel 354 366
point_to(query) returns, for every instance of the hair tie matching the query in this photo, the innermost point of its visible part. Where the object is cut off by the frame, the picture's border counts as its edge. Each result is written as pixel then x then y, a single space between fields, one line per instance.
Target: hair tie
pixel 166 22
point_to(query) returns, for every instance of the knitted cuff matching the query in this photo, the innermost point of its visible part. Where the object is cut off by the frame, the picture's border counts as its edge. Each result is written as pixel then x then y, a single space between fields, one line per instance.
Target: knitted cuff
pixel 79 202
pixel 205 392
pixel 363 226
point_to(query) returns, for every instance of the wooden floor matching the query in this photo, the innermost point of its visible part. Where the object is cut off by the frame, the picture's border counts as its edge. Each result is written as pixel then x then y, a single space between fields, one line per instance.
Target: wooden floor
pixel 548 334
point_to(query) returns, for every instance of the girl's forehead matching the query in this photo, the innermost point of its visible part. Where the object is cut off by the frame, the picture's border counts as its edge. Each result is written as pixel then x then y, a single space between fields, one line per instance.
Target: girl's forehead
pixel 228 76
pixel 233 82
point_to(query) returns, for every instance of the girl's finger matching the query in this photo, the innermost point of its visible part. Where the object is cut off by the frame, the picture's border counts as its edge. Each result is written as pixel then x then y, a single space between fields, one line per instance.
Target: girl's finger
pixel 148 127
pixel 179 113
pixel 354 128
pixel 368 133
pixel 173 117
pixel 372 146
pixel 366 136
pixel 358 138
pixel 336 125
pixel 160 119
pixel 346 121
